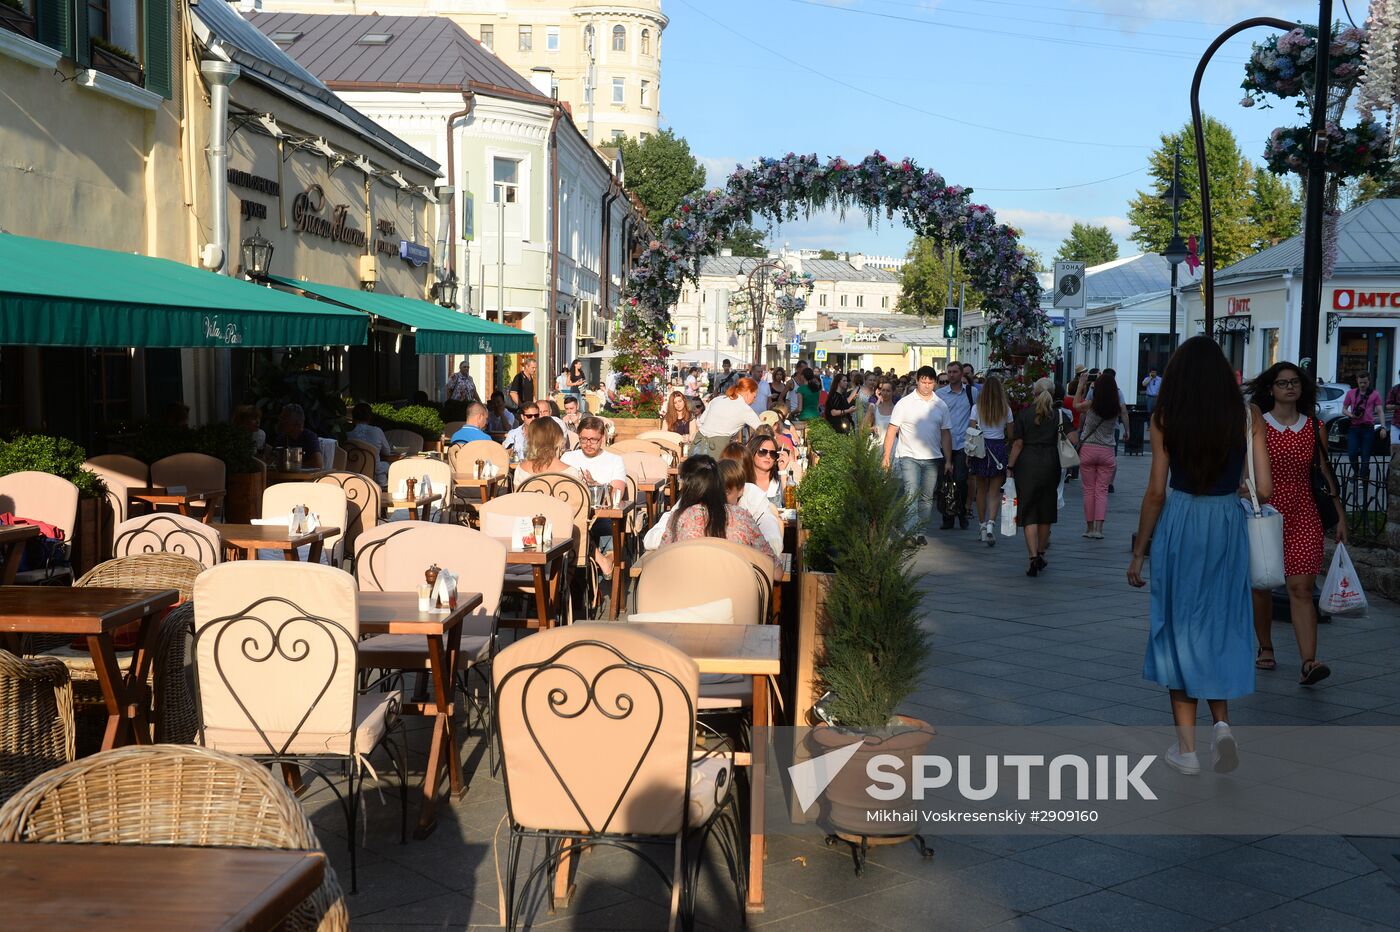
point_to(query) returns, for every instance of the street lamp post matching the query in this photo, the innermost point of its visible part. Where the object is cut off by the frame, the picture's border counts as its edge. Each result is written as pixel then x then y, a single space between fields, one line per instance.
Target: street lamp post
pixel 770 281
pixel 1176 251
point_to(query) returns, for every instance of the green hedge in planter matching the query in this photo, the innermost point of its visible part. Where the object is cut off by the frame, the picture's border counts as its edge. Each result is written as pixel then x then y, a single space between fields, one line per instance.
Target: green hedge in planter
pixel 426 421
pixel 57 456
pixel 823 491
pixel 156 441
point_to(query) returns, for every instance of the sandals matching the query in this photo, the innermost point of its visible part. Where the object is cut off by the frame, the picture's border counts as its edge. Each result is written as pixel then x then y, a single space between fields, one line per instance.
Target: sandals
pixel 1265 663
pixel 1314 673
pixel 1034 568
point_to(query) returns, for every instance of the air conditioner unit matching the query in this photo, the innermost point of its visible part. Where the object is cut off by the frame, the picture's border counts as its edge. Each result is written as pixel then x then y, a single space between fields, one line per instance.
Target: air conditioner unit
pixel 369 271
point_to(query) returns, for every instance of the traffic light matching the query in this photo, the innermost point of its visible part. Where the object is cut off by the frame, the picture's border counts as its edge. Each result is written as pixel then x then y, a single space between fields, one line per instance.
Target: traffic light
pixel 950 323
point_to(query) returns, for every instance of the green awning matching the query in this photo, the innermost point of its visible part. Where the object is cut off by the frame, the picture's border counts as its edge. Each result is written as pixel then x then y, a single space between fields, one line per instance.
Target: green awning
pixel 437 330
pixel 57 294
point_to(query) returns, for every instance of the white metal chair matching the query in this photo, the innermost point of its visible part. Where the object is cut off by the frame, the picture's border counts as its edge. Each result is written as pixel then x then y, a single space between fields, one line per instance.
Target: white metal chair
pixel 329 501
pixel 40 496
pixel 163 532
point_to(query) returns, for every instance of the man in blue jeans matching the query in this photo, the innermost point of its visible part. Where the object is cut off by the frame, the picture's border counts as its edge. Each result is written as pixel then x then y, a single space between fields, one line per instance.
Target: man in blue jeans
pixel 921 423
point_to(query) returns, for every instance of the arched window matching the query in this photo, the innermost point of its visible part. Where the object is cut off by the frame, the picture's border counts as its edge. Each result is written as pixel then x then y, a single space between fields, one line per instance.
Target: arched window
pixel 619 39
pixel 646 41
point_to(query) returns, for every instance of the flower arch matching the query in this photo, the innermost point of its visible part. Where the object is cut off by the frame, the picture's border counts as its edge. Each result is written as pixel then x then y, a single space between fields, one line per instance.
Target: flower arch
pixel 796 185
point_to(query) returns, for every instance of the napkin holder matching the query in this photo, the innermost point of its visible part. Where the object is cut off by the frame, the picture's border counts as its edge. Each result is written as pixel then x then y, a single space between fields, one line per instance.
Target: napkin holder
pixel 425 486
pixel 444 591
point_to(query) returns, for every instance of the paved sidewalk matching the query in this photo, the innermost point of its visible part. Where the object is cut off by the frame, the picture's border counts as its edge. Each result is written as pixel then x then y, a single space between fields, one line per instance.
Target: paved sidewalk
pixel 1065 647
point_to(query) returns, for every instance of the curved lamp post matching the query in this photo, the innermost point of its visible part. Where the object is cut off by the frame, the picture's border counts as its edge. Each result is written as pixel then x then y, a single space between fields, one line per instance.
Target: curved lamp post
pixel 770 284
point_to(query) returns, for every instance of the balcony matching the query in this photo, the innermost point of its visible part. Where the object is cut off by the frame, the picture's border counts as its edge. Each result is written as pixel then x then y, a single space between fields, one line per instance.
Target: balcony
pixel 16 20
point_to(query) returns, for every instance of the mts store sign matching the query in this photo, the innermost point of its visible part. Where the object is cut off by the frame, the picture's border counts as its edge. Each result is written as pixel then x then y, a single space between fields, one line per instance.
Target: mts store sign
pixel 1345 299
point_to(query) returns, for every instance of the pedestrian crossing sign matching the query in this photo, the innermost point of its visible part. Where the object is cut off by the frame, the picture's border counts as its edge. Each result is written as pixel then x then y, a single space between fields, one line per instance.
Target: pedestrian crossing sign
pixel 821 355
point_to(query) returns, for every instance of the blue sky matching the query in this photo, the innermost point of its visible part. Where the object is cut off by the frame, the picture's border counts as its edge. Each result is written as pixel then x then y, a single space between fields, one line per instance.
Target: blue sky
pixel 1107 76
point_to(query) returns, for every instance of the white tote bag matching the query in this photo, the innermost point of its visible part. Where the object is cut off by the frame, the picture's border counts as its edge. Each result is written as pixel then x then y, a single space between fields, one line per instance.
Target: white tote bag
pixel 1341 592
pixel 1263 525
pixel 1008 508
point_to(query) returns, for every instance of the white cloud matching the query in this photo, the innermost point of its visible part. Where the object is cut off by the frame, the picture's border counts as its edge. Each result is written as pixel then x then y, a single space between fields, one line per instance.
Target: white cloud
pixel 719 168
pixel 1051 226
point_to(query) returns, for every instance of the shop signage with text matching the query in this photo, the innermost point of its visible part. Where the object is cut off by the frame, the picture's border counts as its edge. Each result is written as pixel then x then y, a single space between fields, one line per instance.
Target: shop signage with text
pixel 306 218
pixel 1235 306
pixel 1347 299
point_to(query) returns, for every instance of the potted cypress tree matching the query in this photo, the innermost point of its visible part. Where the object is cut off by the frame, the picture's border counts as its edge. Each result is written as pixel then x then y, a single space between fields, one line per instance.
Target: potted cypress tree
pixel 875 650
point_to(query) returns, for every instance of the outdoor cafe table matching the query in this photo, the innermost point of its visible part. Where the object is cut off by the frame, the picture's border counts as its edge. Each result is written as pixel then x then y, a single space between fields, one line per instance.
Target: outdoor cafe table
pixel 397 613
pixel 417 508
pixel 305 474
pixel 489 485
pixel 156 496
pixel 618 516
pixel 549 569
pixel 155 887
pixel 654 490
pixel 245 540
pixel 95 613
pixel 745 650
pixel 12 541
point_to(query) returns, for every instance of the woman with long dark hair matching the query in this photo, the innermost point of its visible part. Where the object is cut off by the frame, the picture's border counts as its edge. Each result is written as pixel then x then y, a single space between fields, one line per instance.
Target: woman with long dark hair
pixel 1098 450
pixel 839 406
pixel 1198 647
pixel 763 453
pixel 1287 397
pixel 704 511
pixel 676 416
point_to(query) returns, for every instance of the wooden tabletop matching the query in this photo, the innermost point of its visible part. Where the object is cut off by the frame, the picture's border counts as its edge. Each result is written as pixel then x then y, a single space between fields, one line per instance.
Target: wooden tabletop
pixel 652 484
pixel 622 511
pixel 88 610
pixel 271 536
pixel 153 887
pixel 162 496
pixel 11 534
pixel 418 502
pixel 750 650
pixel 397 613
pixel 533 557
pixel 466 478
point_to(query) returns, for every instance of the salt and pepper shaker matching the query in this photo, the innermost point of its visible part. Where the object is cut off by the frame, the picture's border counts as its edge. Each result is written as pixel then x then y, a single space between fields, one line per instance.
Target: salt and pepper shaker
pixel 410 483
pixel 480 464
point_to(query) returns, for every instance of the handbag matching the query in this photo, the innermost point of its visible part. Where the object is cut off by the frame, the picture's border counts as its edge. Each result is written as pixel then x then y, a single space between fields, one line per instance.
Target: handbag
pixel 1263 527
pixel 976 445
pixel 1319 484
pixel 1069 456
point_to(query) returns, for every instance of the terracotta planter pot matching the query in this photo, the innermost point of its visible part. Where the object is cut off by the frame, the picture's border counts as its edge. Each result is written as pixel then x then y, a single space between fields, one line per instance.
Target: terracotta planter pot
pixel 243 501
pixel 846 800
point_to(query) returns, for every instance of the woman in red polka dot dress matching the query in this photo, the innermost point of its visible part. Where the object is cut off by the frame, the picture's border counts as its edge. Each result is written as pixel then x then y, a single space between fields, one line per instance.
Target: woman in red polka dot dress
pixel 1288 399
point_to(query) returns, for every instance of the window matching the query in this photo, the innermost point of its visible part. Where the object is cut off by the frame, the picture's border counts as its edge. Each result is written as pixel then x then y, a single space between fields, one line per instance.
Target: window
pixel 619 91
pixel 685 336
pixel 618 135
pixel 99 20
pixel 507 177
pixel 843 300
pixel 619 39
pixel 704 336
pixel 821 300
pixel 551 38
pixel 488 36
pixel 646 94
pixel 646 41
pixel 860 300
pixel 527 38
pixel 885 301
pixel 1270 335
pixel 643 137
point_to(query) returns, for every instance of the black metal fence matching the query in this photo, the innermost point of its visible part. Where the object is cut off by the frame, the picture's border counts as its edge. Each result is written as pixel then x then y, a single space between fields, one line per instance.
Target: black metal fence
pixel 1365 495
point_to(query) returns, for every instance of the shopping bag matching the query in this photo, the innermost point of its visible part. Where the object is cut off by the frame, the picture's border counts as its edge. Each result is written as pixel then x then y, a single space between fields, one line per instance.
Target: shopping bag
pixel 1263 527
pixel 1341 593
pixel 1060 490
pixel 1008 508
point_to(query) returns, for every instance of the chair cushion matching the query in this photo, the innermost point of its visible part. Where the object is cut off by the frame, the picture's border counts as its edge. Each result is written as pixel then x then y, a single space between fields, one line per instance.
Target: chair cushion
pixel 410 651
pixel 371 722
pixel 710 783
pixel 719 612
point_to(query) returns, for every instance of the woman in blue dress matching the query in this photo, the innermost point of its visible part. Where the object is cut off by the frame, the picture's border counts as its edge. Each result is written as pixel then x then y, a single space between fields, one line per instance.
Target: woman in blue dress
pixel 1200 645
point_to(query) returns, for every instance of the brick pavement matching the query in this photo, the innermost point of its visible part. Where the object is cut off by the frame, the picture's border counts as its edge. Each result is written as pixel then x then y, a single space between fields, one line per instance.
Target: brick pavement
pixel 1063 648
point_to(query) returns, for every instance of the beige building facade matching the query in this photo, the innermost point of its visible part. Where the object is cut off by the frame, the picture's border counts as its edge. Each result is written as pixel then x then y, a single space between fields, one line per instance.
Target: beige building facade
pixel 602 58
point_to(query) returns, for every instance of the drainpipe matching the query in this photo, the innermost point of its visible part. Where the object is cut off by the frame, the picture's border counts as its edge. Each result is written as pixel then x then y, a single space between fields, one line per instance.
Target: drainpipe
pixel 552 318
pixel 468 104
pixel 605 279
pixel 219 75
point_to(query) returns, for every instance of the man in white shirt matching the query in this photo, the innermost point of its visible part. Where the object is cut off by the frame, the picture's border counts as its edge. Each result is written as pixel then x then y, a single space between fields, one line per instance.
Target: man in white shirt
pixel 365 432
pixel 601 467
pixel 959 397
pixel 515 439
pixel 765 389
pixel 921 424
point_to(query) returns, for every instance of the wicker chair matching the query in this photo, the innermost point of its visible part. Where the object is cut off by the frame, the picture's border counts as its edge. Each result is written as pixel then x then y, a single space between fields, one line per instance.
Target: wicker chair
pixel 173 795
pixel 176 717
pixel 36 719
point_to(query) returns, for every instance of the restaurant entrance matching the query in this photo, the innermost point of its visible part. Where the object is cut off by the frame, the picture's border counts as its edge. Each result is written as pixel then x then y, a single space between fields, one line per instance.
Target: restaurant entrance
pixel 1366 349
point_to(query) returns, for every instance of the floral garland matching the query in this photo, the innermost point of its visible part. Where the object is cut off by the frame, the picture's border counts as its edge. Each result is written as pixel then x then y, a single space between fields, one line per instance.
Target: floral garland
pixel 796 186
pixel 1350 152
pixel 1283 65
pixel 1380 84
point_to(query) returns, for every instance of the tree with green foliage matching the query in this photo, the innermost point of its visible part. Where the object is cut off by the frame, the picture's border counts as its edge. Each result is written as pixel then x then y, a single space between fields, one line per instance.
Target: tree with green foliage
pixel 1382 181
pixel 745 241
pixel 1087 243
pixel 1230 174
pixel 1275 209
pixel 827 254
pixel 661 172
pixel 923 280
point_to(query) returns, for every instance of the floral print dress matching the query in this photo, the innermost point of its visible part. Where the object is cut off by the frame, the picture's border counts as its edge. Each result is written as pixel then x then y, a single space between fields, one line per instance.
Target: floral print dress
pixel 739 527
pixel 1290 462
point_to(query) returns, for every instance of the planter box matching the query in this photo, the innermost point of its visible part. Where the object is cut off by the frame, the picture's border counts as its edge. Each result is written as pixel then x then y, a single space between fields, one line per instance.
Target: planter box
pixel 92 536
pixel 243 501
pixel 803 646
pixel 630 428
pixel 18 21
pixel 115 65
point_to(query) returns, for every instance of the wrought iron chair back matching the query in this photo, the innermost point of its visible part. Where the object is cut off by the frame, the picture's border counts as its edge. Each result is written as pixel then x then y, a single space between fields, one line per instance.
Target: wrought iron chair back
pixel 329 501
pixel 361 458
pixel 164 532
pixel 363 503
pixel 416 467
pixel 370 571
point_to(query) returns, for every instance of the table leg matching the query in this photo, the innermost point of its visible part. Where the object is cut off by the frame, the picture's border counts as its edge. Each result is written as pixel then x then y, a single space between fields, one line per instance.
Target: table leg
pixel 442 751
pixel 314 554
pixel 758 845
pixel 619 573
pixel 564 878
pixel 777 601
pixel 124 698
pixel 9 566
pixel 290 553
pixel 542 600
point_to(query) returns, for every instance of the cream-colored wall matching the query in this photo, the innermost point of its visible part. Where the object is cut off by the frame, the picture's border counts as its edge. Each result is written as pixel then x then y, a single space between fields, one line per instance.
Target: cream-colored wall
pixel 81 167
pixel 569 63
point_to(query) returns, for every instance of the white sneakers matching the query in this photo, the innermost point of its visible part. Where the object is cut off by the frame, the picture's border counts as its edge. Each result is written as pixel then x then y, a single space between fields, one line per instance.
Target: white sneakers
pixel 987 533
pixel 1224 753
pixel 1183 761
